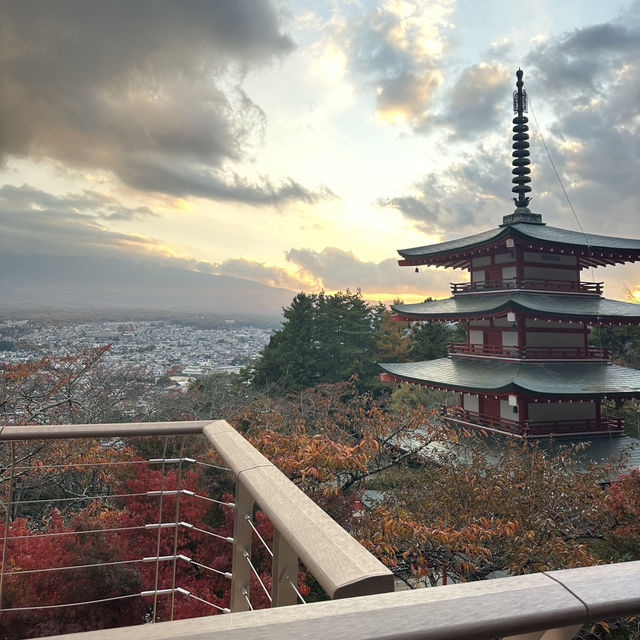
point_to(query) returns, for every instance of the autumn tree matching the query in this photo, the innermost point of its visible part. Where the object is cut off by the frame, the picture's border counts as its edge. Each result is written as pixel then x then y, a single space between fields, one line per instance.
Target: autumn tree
pixel 471 510
pixel 451 505
pixel 97 554
pixel 623 503
pixel 77 388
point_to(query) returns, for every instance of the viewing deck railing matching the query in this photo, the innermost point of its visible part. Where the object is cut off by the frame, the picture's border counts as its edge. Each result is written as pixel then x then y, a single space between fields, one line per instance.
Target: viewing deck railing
pixel 301 529
pixel 529 353
pixel 538 606
pixel 543 605
pixel 536 429
pixel 528 284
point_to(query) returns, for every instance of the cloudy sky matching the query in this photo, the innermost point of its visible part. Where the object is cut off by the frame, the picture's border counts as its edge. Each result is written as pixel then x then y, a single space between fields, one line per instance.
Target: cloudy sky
pixel 300 143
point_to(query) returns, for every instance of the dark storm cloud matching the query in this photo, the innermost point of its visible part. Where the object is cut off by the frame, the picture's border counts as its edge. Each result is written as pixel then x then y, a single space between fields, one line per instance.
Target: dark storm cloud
pixel 33 221
pixel 582 61
pixel 459 199
pixel 592 78
pixel 335 269
pixel 184 181
pixel 476 103
pixel 106 84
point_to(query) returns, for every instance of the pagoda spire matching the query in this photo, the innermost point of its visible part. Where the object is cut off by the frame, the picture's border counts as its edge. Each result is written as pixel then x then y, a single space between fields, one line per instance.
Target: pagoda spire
pixel 521 160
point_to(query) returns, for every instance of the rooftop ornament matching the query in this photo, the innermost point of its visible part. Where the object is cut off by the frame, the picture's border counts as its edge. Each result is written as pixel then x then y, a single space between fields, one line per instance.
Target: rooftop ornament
pixel 521 160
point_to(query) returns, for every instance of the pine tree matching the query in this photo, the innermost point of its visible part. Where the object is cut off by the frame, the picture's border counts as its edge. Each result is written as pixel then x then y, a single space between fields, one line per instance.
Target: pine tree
pixel 289 358
pixel 324 338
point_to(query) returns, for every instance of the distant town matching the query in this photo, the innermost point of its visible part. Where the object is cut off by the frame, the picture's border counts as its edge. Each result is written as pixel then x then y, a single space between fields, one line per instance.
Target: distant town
pixel 185 350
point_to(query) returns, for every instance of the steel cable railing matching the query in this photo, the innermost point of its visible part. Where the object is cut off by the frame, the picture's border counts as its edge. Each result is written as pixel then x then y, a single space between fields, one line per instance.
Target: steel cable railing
pixel 36 477
pixel 148 517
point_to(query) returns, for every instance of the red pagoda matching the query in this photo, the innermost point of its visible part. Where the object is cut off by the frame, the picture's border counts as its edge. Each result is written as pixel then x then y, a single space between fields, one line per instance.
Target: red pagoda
pixel 526 367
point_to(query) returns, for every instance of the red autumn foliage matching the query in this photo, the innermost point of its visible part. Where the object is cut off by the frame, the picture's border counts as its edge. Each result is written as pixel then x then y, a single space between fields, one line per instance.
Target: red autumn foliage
pixel 68 540
pixel 623 502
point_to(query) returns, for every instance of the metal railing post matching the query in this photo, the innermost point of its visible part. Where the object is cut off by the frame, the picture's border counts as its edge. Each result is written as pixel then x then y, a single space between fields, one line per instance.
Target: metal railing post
pixel 240 570
pixel 285 572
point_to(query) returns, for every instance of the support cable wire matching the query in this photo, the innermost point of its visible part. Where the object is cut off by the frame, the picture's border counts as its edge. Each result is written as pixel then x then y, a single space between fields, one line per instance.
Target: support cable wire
pixel 247 517
pixel 191 494
pixel 295 588
pixel 190 595
pixel 255 573
pixel 246 597
pixel 102 497
pixel 226 574
pixel 75 533
pixel 179 460
pixel 197 495
pixel 80 464
pixel 71 604
pixel 209 533
pixel 76 566
pixel 586 239
pixel 212 466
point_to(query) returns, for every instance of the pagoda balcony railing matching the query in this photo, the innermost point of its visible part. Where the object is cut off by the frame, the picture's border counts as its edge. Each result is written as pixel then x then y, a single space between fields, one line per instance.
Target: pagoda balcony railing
pixel 531 284
pixel 301 529
pixel 535 429
pixel 492 423
pixel 529 353
pixel 547 605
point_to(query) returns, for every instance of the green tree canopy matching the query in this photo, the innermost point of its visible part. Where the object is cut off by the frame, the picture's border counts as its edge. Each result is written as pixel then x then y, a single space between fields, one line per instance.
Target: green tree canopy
pixel 324 338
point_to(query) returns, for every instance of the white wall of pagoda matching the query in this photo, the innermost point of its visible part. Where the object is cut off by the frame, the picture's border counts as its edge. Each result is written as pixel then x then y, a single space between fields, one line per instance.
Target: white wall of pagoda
pixel 509 339
pixel 568 340
pixel 546 258
pixel 550 411
pixel 508 273
pixel 544 266
pixel 470 402
pixel 506 411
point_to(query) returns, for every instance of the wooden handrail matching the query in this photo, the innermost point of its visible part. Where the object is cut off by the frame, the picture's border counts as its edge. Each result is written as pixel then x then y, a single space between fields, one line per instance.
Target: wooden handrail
pixel 338 562
pixel 561 601
pixel 342 566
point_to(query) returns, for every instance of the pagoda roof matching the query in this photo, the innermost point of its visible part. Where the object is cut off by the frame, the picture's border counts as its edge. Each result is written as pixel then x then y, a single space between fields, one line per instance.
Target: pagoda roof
pixel 593 250
pixel 531 304
pixel 558 379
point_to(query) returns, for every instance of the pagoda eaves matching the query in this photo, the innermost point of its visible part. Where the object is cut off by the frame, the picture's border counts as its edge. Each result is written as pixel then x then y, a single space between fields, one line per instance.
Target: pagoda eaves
pixel 539 379
pixel 592 250
pixel 569 308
